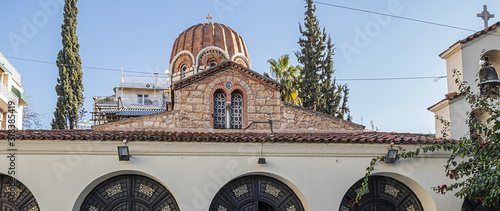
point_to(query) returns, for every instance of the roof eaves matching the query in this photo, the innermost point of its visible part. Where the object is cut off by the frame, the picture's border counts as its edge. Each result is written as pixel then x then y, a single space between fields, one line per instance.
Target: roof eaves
pixel 220 67
pixel 228 137
pixel 472 37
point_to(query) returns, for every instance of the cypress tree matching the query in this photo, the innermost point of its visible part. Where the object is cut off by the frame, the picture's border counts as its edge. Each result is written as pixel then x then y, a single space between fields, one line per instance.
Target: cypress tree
pixel 310 55
pixel 318 88
pixel 69 86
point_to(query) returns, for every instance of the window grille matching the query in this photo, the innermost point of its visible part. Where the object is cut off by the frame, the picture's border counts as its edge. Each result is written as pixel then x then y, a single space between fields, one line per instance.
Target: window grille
pixel 219 110
pixel 236 111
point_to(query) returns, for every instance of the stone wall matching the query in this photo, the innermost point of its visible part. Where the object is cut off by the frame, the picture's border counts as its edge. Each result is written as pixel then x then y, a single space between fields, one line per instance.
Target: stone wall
pixel 194 107
pixel 299 118
pixel 164 120
pixel 195 102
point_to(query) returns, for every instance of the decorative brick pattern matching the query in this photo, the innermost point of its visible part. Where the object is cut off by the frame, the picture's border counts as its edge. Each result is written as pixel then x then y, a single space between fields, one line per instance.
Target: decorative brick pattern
pixel 183 58
pixel 210 55
pixel 203 35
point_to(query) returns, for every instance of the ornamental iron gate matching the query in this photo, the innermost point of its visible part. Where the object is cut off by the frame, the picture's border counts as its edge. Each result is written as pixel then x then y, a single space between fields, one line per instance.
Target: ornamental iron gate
pixel 15 196
pixel 383 193
pixel 129 193
pixel 256 193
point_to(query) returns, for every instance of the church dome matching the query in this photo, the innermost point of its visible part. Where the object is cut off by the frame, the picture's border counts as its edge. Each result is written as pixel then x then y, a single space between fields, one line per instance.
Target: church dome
pixel 204 45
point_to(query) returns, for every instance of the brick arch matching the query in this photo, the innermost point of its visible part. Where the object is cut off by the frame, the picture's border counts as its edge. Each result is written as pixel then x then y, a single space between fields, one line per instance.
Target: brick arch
pixel 219 84
pixel 210 88
pixel 241 59
pixel 182 58
pixel 209 54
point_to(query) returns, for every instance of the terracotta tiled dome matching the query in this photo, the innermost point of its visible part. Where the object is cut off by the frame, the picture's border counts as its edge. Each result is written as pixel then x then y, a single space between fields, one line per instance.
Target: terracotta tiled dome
pixel 198 37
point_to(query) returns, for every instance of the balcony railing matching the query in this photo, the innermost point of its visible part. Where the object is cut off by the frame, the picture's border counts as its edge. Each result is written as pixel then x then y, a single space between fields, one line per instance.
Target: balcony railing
pixel 5 90
pixel 13 71
pixel 158 101
pixel 106 100
pixel 145 82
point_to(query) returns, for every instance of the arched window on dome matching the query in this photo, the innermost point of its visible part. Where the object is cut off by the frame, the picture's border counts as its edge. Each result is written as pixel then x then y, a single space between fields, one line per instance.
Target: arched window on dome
pixel 183 71
pixel 212 63
pixel 219 114
pixel 236 111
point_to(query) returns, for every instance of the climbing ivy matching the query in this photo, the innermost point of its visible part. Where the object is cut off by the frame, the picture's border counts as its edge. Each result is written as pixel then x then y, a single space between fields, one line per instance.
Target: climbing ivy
pixel 474 162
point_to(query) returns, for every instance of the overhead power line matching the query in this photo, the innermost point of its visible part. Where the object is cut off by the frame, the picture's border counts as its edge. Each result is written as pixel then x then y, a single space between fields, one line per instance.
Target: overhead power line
pixel 85 67
pixel 436 78
pixel 394 16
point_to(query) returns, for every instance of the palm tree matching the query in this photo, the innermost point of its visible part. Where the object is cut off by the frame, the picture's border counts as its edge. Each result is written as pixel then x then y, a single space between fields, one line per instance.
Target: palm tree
pixel 288 76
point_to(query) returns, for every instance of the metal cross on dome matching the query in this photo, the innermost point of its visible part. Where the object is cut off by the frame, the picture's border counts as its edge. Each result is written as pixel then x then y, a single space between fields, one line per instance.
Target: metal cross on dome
pixel 485 15
pixel 209 18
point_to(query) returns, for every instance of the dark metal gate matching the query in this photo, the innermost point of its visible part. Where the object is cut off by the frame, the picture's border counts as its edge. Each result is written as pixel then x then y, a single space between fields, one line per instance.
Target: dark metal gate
pixel 15 196
pixel 129 193
pixel 384 193
pixel 256 193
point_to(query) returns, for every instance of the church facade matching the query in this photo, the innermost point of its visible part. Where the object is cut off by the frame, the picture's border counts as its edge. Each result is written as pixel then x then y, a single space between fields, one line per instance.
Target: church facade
pixel 228 144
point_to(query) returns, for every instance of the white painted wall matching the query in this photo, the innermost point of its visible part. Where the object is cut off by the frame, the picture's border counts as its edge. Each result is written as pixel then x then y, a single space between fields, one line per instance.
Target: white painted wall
pixel 61 173
pixel 454 62
pixel 466 59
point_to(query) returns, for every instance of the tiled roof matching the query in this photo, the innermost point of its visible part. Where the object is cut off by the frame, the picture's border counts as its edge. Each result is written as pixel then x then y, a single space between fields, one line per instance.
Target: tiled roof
pixel 479 33
pixel 474 36
pixel 223 66
pixel 227 136
pixel 449 96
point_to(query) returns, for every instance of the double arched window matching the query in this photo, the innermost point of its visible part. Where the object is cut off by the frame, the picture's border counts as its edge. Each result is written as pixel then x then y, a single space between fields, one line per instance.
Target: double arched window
pixel 228 117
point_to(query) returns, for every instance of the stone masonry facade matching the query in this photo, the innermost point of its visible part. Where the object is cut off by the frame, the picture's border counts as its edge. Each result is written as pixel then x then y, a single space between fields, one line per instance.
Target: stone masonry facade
pixel 193 106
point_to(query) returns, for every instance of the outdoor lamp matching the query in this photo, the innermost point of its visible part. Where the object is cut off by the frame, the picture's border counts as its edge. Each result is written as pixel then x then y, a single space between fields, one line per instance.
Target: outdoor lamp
pixel 123 153
pixel 391 156
pixel 261 161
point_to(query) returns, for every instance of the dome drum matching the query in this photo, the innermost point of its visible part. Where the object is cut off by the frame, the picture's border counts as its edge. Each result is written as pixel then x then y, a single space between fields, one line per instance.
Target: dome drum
pixel 211 43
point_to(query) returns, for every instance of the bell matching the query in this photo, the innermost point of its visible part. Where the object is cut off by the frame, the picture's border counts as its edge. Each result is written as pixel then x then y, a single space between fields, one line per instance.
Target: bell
pixel 488 79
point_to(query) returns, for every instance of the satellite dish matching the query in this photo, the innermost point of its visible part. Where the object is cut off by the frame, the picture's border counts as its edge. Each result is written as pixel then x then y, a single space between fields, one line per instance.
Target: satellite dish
pixel 167 72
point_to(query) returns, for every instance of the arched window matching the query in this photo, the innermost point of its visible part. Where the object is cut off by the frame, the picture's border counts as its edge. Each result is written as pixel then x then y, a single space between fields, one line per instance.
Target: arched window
pixel 183 71
pixel 219 110
pixel 236 112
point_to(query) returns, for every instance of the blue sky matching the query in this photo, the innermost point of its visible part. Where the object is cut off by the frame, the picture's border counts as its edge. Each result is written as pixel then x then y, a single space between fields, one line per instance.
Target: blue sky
pixel 138 36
